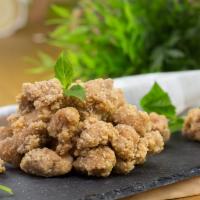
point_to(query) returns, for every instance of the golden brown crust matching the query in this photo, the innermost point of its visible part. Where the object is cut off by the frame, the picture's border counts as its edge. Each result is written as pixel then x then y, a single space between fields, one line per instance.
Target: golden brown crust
pixel 45 162
pixel 142 150
pixel 5 132
pixel 191 127
pixel 94 133
pixel 125 145
pixel 124 167
pixel 155 141
pixel 40 95
pixel 96 162
pixel 129 115
pixel 160 123
pixel 8 151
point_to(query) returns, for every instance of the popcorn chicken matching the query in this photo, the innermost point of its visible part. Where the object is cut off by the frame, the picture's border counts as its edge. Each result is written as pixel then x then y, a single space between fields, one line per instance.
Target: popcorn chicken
pixel 50 134
pixel 63 126
pixel 155 141
pixel 160 123
pixel 94 133
pixel 142 150
pixel 40 95
pixel 124 166
pixel 101 99
pixel 129 115
pixel 8 151
pixel 191 128
pixel 125 145
pixel 5 132
pixel 97 162
pixel 45 162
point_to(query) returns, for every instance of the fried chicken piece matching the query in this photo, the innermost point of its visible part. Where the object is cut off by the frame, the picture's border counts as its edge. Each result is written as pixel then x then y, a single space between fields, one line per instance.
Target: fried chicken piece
pixel 101 98
pixel 125 145
pixel 65 118
pixel 32 142
pixel 141 153
pixel 45 162
pixel 2 166
pixel 96 162
pixel 95 133
pixel 155 141
pixel 8 151
pixel 191 127
pixel 124 167
pixel 129 115
pixel 101 93
pixel 160 123
pixel 39 95
pixel 5 132
pixel 63 126
pixel 25 129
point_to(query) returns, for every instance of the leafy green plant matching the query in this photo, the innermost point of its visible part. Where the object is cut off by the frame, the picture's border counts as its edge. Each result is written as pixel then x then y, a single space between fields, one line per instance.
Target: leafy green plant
pixel 157 100
pixel 64 73
pixel 107 38
pixel 6 189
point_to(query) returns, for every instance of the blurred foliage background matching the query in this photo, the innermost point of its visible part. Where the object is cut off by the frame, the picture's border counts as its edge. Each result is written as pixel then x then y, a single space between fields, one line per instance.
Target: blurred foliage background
pixel 113 38
pixel 103 38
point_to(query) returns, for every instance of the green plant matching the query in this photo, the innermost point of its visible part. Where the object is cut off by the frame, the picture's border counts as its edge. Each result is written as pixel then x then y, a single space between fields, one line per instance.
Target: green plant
pixel 157 100
pixel 64 73
pixel 112 38
pixel 6 189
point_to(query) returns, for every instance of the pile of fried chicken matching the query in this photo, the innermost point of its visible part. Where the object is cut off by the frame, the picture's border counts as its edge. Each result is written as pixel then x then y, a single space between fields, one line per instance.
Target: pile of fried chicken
pixel 51 134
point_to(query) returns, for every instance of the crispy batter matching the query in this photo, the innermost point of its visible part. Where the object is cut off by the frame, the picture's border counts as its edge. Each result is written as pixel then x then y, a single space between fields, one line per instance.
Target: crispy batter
pixel 155 141
pixel 125 145
pixel 65 118
pixel 39 95
pixel 124 167
pixel 8 151
pixel 129 115
pixel 32 142
pixel 191 128
pixel 97 162
pixel 95 133
pixel 141 152
pixel 2 166
pixel 45 162
pixel 5 132
pixel 63 126
pixel 160 123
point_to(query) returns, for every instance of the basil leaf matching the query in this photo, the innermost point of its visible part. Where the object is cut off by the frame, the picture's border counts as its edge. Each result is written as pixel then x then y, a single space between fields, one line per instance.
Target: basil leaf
pixel 6 189
pixel 76 91
pixel 157 100
pixel 64 71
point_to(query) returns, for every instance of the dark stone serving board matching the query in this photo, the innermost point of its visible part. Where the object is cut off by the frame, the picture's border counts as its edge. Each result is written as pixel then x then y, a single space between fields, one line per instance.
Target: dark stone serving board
pixel 179 161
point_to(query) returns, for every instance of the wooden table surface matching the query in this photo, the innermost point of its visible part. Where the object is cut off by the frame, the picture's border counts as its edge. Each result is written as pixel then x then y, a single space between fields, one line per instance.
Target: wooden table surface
pixel 13 71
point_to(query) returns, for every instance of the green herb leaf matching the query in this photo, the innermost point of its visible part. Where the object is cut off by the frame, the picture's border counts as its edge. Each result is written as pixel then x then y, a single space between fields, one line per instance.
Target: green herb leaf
pixel 60 11
pixel 176 124
pixel 6 189
pixel 76 91
pixel 64 71
pixel 157 100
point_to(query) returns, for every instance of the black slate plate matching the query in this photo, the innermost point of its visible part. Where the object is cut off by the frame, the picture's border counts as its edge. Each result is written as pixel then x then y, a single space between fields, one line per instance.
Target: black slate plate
pixel 179 161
